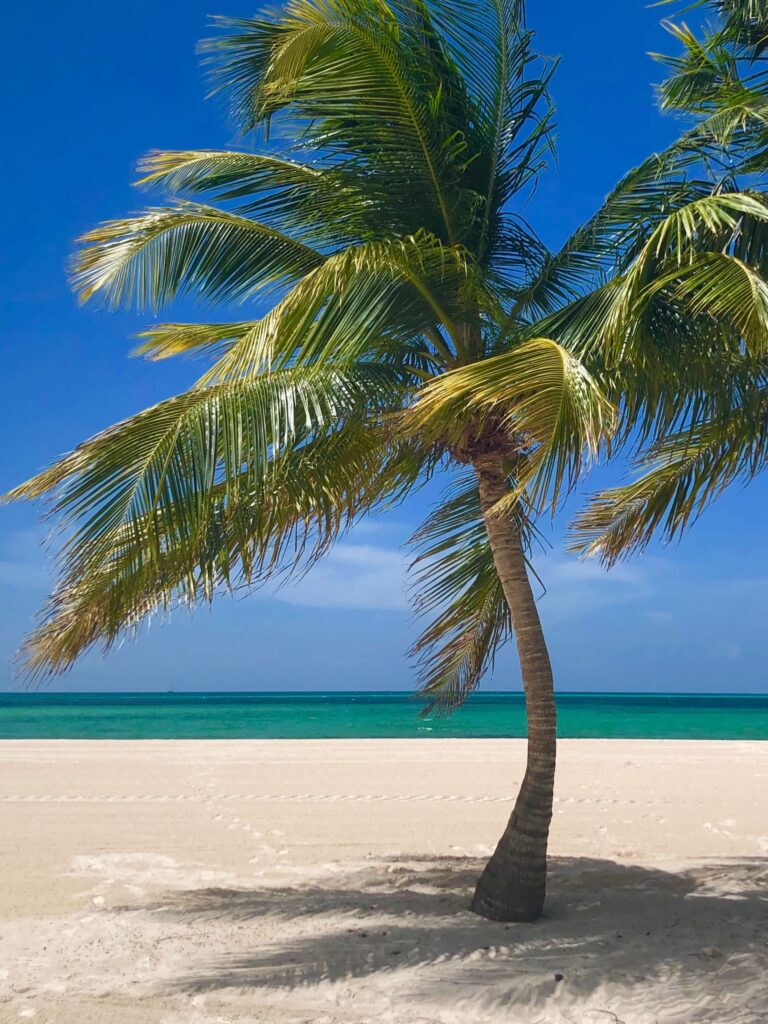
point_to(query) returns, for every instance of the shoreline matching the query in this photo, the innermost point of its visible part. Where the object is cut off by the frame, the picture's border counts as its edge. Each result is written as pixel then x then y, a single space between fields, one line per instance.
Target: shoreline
pixel 294 881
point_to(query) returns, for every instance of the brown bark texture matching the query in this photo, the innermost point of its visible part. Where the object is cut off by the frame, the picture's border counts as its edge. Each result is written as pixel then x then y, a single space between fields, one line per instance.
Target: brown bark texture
pixel 512 886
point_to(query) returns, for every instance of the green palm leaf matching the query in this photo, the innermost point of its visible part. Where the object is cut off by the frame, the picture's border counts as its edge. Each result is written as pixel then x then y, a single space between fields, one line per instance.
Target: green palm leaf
pixel 321 203
pixel 367 301
pixel 343 69
pixel 220 483
pixel 683 474
pixel 149 260
pixel 241 535
pixel 681 248
pixel 600 246
pixel 165 340
pixel 726 289
pixel 454 581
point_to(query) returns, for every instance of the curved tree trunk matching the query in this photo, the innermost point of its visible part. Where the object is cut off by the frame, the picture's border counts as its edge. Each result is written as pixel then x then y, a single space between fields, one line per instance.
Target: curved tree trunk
pixel 512 886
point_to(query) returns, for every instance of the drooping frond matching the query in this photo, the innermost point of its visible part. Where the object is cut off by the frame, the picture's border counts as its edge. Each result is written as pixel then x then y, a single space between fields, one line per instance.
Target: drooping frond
pixel 655 389
pixel 221 484
pixel 682 252
pixel 727 290
pixel 362 302
pixel 456 584
pixel 600 246
pixel 517 258
pixel 268 534
pixel 321 203
pixel 200 437
pixel 150 259
pixel 683 473
pixel 166 340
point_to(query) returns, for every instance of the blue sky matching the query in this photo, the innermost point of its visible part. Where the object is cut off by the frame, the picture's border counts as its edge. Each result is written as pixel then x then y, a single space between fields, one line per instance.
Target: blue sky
pixel 89 87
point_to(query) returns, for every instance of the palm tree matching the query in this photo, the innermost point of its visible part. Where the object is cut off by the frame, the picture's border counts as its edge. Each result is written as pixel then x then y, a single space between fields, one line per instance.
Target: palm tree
pixel 417 324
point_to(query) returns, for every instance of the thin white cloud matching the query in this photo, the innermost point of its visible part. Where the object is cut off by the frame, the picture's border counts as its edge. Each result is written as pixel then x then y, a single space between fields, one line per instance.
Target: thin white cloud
pixel 374 577
pixel 576 588
pixel 660 615
pixel 383 526
pixel 567 570
pixel 352 576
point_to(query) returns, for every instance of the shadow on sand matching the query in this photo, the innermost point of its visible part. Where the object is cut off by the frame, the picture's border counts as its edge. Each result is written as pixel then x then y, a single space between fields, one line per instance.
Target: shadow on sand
pixel 695 939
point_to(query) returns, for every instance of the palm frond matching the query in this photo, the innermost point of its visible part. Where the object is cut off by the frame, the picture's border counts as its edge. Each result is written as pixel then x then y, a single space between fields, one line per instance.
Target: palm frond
pixel 685 247
pixel 720 80
pixel 345 70
pixel 600 246
pixel 508 82
pixel 682 475
pixel 728 290
pixel 704 72
pixel 201 436
pixel 221 483
pixel 150 259
pixel 269 533
pixel 362 302
pixel 319 202
pixel 166 340
pixel 455 582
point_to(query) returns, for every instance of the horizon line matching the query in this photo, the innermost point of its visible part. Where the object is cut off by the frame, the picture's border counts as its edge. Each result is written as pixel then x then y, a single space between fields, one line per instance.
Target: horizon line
pixel 403 692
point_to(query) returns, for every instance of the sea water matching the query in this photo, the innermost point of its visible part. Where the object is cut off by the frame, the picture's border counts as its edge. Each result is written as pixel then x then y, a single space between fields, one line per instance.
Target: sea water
pixel 370 715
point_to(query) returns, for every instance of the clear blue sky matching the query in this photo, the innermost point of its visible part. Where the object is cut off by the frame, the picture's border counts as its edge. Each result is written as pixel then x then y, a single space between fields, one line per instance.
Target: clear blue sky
pixel 88 87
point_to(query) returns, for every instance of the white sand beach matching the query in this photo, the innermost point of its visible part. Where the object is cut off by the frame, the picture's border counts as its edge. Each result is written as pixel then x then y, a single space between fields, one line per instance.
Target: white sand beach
pixel 267 882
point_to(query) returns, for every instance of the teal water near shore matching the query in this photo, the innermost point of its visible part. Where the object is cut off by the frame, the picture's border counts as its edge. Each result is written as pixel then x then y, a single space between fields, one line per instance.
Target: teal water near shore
pixel 371 715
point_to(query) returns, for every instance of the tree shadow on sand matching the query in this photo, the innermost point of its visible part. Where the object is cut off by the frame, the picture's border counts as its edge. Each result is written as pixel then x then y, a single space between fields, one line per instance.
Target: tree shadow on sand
pixel 696 938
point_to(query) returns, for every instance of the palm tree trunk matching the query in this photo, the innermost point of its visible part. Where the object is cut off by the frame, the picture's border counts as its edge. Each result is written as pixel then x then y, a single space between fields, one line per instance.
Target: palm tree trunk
pixel 512 886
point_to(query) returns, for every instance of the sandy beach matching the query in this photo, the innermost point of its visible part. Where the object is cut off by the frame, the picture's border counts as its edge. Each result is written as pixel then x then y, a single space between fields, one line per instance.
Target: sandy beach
pixel 267 882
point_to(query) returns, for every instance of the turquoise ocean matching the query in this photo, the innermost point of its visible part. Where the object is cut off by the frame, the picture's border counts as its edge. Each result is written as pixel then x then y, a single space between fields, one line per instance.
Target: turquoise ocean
pixel 370 715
